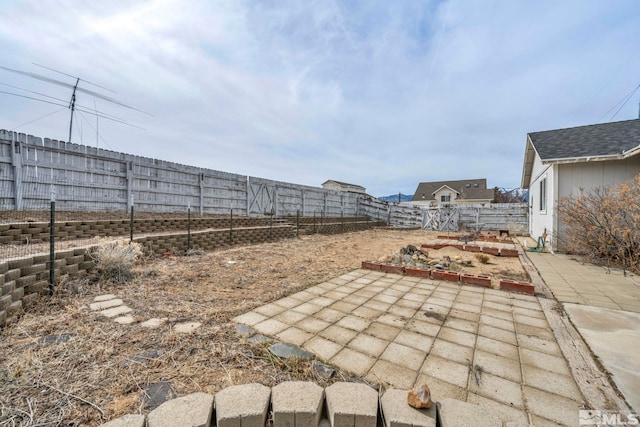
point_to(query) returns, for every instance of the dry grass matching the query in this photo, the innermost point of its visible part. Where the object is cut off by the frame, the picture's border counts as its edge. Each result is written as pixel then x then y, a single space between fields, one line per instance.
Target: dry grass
pixel 98 374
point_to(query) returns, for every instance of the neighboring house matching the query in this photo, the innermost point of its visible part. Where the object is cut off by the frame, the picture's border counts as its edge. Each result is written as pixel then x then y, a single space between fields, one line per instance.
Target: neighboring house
pixel 343 186
pixel 451 192
pixel 559 163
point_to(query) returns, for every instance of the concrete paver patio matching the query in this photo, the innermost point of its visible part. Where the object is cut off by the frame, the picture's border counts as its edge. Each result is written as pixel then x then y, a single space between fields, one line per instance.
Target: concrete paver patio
pixel 484 346
pixel 572 281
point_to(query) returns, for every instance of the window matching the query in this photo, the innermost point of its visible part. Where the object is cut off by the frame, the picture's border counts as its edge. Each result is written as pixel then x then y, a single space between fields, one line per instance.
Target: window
pixel 543 194
pixel 445 198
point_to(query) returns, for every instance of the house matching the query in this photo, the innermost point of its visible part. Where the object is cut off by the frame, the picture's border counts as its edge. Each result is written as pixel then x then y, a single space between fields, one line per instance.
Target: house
pixel 343 186
pixel 559 163
pixel 450 192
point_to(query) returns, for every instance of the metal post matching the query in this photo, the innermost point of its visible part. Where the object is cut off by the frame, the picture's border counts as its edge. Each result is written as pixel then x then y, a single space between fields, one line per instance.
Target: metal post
pixel 189 227
pixel 298 223
pixel 52 242
pixel 131 222
pixel 231 228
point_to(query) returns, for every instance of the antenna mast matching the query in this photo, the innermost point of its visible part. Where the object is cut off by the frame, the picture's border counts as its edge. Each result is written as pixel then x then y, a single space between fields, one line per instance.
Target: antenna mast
pixel 72 106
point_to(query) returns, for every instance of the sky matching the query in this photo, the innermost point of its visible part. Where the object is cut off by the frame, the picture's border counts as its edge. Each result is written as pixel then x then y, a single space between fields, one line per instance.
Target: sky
pixel 383 94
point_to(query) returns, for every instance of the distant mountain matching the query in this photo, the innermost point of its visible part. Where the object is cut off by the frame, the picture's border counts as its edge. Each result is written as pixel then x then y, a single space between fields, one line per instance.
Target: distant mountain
pixel 394 198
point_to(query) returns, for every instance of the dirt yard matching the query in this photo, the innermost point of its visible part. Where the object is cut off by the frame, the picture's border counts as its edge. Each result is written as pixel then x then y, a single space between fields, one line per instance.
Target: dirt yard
pixel 62 364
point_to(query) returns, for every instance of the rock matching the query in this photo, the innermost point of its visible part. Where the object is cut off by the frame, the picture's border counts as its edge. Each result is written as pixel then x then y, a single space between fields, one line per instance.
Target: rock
pixel 244 330
pixel 56 339
pixel 259 338
pixel 323 370
pixel 419 397
pixel 186 327
pixel 287 351
pixel 158 393
pixel 434 262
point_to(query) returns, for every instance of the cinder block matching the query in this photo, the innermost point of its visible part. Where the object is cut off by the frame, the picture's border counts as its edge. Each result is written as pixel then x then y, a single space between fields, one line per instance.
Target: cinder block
pixel 193 410
pixel 367 265
pixel 351 405
pixel 455 413
pixel 131 420
pixel 14 308
pixel 33 269
pixel 297 404
pixel 515 286
pixel 17 294
pixel 490 250
pixel 478 280
pixel 242 406
pixel 5 302
pixel 418 272
pixel 395 269
pixel 449 276
pixel 397 413
pixel 471 248
pixel 508 252
pixel 13 274
pixel 25 281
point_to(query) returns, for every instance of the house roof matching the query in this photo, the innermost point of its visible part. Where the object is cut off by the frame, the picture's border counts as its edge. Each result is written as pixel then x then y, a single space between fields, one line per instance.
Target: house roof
pixel 344 184
pixel 605 141
pixel 470 189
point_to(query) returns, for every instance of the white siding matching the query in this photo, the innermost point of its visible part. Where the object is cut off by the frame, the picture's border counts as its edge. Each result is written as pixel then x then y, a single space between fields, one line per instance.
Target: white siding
pixel 541 220
pixel 574 176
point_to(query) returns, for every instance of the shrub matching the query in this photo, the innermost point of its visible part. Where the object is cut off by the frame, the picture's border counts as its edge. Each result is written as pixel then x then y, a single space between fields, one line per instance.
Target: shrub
pixel 603 225
pixel 114 260
pixel 482 258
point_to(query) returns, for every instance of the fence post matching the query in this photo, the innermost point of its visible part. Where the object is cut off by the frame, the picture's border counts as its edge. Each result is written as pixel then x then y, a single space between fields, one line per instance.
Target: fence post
pixel 131 222
pixel 271 226
pixel 231 227
pixel 298 223
pixel 189 227
pixel 52 242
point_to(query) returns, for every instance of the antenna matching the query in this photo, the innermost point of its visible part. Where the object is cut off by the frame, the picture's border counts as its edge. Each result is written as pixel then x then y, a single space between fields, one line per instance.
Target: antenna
pixel 75 89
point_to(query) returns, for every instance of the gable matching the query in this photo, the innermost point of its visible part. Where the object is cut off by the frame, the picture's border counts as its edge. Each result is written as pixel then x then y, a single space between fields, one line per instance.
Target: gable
pixel 475 189
pixel 605 141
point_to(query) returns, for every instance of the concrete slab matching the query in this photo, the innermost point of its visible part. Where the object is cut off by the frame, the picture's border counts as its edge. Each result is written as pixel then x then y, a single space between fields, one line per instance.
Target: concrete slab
pixel 351 405
pixel 397 413
pixel 115 311
pixel 242 406
pixel 297 404
pixel 454 413
pixel 193 410
pixel 614 336
pixel 104 297
pixel 101 305
pixel 131 420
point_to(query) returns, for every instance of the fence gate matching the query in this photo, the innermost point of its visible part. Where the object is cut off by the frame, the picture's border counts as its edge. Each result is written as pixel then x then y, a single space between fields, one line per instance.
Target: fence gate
pixel 441 218
pixel 260 199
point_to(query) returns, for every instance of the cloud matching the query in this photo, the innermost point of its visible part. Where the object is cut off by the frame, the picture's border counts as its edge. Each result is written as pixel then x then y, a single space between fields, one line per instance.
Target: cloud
pixel 382 94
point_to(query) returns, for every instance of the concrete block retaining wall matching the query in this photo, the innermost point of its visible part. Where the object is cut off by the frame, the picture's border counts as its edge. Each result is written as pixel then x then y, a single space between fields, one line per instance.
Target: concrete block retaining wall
pixel 297 403
pixel 24 280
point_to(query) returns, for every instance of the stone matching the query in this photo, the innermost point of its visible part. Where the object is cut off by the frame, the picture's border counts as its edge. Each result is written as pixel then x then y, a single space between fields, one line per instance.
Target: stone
pixel 105 297
pixel 297 404
pixel 419 397
pixel 242 406
pixel 156 394
pixel 186 327
pixel 244 330
pixel 288 351
pixel 131 420
pixel 153 323
pixel 124 320
pixel 115 311
pixel 56 339
pixel 352 405
pixel 322 370
pixel 101 305
pixel 259 338
pixel 193 410
pixel 398 414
